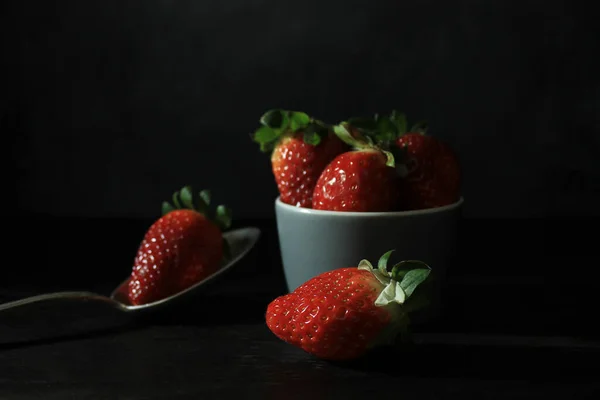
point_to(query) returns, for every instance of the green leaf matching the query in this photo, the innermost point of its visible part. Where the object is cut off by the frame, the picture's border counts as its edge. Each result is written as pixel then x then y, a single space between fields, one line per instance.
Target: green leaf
pixel 276 119
pixel 392 293
pixel 298 120
pixel 344 135
pixel 203 201
pixel 186 197
pixel 386 130
pixel 365 264
pixel 383 260
pixel 312 137
pixel 223 217
pixel 400 269
pixel 205 196
pixel 414 278
pixel 166 207
pixel 390 161
pixel 285 121
pixel 272 118
pixel 265 136
pixel 356 139
pixel 420 127
pixel 400 121
pixel 176 200
pixel 382 276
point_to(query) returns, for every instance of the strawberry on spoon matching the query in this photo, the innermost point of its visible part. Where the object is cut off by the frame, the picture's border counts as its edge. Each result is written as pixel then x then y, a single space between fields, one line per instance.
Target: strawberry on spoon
pixel 180 268
pixel 180 249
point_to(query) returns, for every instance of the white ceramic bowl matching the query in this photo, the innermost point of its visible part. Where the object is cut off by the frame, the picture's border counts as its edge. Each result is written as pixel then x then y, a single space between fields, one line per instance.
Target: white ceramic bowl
pixel 315 241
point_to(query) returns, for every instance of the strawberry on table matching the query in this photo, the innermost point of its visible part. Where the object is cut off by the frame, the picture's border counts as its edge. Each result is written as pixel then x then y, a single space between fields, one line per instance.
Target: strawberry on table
pixel 362 179
pixel 300 148
pixel 180 249
pixel 341 314
pixel 430 170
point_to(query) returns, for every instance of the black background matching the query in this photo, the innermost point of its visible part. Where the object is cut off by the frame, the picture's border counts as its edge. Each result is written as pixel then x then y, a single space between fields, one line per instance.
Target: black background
pixel 111 106
pixel 108 107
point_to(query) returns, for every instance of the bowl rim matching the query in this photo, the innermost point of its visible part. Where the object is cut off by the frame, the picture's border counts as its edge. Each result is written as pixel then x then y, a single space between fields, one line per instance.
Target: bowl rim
pixel 364 214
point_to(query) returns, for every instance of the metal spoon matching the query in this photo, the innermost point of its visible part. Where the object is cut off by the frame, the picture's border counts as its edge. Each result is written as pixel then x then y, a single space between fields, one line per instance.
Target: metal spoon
pixel 240 242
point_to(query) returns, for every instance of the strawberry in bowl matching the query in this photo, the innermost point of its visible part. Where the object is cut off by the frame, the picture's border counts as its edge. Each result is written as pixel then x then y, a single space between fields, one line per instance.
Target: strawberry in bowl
pixel 300 148
pixel 390 187
pixel 429 172
pixel 361 179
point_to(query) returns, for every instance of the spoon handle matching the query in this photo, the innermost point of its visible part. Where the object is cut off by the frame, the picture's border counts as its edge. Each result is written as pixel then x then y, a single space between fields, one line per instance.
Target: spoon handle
pixel 59 296
pixel 58 316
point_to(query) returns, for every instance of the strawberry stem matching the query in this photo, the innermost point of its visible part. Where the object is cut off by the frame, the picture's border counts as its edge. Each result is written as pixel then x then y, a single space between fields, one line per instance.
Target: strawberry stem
pixel 410 274
pixel 175 198
pixel 399 120
pixel 399 285
pixel 184 199
pixel 354 139
pixel 276 124
pixel 223 217
pixel 361 142
pixel 384 130
pixel 401 282
pixel 400 269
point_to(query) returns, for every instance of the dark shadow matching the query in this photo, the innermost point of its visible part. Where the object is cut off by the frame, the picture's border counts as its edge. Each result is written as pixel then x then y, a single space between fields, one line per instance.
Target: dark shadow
pixel 212 310
pixel 66 337
pixel 481 362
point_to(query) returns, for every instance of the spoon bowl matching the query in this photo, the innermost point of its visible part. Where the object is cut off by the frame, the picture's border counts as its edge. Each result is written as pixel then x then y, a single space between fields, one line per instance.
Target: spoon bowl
pixel 240 242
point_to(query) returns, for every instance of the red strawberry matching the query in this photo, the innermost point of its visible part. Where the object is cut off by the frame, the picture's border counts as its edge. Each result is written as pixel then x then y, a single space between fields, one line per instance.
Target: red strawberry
pixel 180 249
pixel 358 180
pixel 433 176
pixel 341 314
pixel 430 171
pixel 301 147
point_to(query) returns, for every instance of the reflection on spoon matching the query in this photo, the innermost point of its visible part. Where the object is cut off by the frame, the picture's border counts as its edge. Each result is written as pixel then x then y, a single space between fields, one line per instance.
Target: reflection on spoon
pixel 241 241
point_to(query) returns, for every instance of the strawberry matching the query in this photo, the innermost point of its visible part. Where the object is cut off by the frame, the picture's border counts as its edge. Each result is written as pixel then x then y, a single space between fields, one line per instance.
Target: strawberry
pixel 179 249
pixel 300 148
pixel 341 314
pixel 433 177
pixel 429 168
pixel 358 180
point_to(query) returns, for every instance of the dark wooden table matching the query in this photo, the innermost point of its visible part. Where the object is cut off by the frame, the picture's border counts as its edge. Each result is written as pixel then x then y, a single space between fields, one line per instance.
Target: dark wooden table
pixel 519 323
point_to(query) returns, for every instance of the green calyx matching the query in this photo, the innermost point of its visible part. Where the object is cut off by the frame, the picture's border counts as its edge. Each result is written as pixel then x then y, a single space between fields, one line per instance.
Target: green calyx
pixel 385 129
pixel 185 199
pixel 400 283
pixel 276 124
pixel 382 131
pixel 358 141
